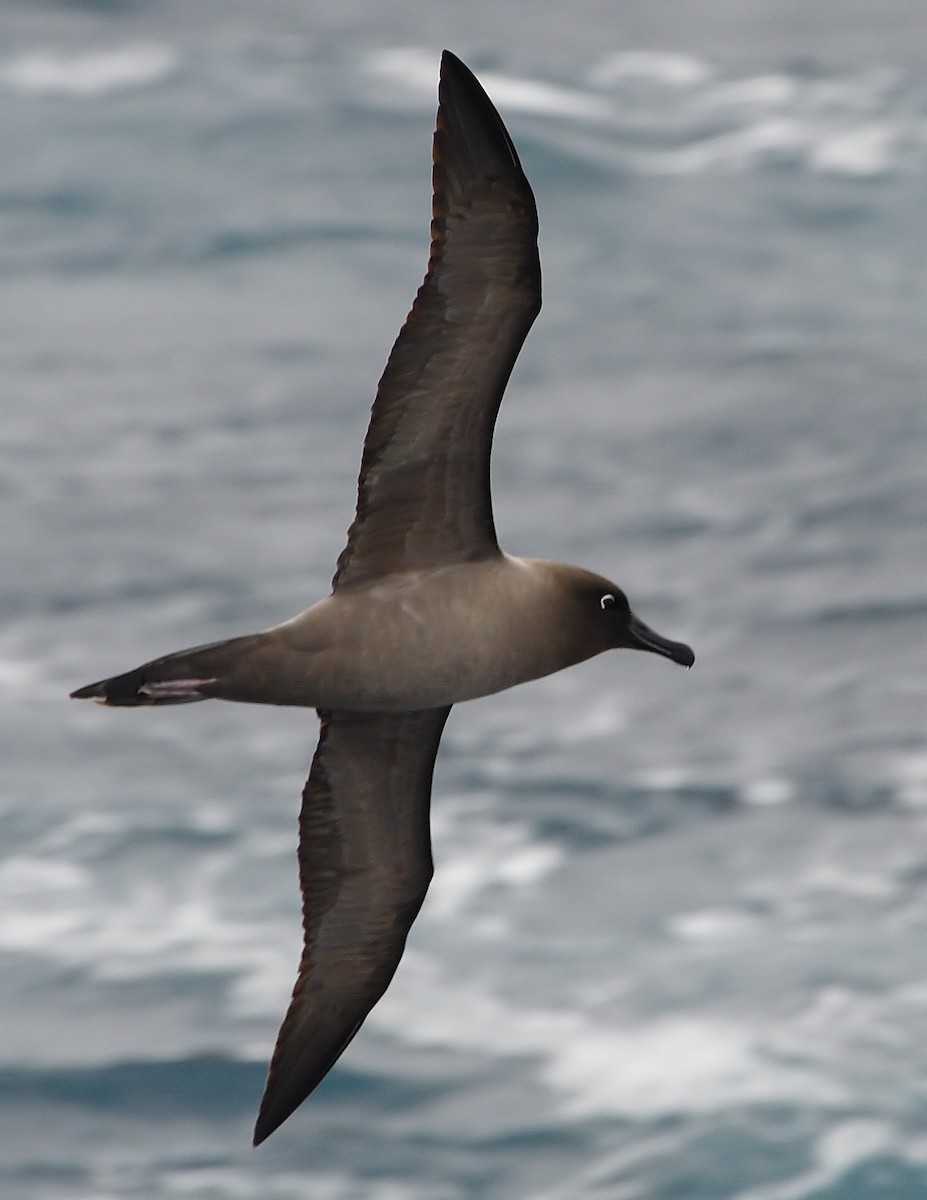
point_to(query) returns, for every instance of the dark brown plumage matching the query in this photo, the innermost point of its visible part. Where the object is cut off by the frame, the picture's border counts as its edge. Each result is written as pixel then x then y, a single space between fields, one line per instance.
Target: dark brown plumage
pixel 425 610
pixel 423 495
pixel 364 868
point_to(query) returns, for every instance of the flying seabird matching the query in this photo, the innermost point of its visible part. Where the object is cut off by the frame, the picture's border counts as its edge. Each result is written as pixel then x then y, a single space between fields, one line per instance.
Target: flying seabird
pixel 425 610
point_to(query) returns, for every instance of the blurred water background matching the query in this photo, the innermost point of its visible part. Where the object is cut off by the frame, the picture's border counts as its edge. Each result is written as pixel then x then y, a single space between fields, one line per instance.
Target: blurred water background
pixel 675 948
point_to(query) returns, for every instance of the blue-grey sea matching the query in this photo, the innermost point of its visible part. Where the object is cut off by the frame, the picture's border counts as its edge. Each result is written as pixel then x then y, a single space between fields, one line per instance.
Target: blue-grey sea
pixel 676 945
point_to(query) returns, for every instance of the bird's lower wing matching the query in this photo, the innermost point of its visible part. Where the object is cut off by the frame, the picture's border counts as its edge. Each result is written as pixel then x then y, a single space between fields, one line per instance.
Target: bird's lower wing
pixel 364 866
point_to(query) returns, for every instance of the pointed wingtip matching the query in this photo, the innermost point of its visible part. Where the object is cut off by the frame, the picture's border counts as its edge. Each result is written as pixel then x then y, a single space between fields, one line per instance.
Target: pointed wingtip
pixel 472 142
pixel 455 76
pixel 458 83
pixel 450 62
pixel 280 1102
pixel 265 1124
pixel 269 1122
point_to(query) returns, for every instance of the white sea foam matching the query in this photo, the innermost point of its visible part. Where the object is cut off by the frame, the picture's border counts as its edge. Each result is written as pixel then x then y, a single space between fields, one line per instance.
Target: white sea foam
pixel 604 1054
pixel 911 781
pixel 231 1183
pixel 480 857
pixel 641 1069
pixel 664 778
pixel 669 69
pixel 859 127
pixel 771 139
pixel 678 1064
pixel 767 790
pixel 69 903
pixel 757 91
pixel 864 152
pixel 90 74
pixel 56 909
pixel 837 1150
pixel 544 99
pixel 38 903
pixel 411 67
pixel 715 925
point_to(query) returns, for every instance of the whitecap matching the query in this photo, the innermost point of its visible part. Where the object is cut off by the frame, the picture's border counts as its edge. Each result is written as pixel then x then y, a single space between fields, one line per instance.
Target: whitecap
pixel 663 67
pixel 858 127
pixel 40 904
pixel 767 791
pixel 54 909
pixel 862 153
pixel 758 91
pixel 851 1141
pixel 837 1150
pixel 714 925
pixel 673 1065
pixel 911 781
pixel 24 876
pixel 664 778
pixel 479 858
pixel 544 99
pixel 851 881
pixel 234 1183
pixel 92 74
pixel 410 66
pixel 773 139
pixel 644 1069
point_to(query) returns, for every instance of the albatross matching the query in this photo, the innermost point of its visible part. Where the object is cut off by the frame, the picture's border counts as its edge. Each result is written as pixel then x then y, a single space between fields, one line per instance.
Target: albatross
pixel 426 610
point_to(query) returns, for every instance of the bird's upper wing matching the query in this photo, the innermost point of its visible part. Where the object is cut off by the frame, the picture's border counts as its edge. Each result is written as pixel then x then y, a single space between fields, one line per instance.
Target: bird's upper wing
pixel 364 867
pixel 423 493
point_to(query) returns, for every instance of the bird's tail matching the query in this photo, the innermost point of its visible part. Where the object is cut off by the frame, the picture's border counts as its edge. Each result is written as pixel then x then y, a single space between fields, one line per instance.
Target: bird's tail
pixel 181 678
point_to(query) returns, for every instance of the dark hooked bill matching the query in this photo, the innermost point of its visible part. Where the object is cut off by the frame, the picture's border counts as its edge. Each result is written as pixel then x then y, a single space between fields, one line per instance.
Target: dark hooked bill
pixel 642 637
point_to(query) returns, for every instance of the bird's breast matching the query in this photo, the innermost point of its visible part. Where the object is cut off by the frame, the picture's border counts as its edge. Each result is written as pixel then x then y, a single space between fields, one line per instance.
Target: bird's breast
pixel 425 639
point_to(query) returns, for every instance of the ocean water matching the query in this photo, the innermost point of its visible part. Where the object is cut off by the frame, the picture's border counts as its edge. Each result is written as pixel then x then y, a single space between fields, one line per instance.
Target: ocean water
pixel 676 946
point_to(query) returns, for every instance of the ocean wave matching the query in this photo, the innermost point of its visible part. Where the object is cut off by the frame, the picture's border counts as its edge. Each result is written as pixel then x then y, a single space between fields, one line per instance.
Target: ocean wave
pixel 98 205
pixel 655 112
pixel 861 1156
pixel 650 112
pixel 666 68
pixel 91 74
pixel 596 1068
pixel 209 1085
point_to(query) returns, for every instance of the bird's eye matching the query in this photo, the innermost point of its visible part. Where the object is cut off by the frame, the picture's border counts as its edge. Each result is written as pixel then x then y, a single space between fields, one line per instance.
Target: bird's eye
pixel 607 601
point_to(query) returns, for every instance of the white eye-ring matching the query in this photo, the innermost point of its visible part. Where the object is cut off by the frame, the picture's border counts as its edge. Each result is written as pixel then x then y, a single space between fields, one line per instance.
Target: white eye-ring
pixel 607 601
